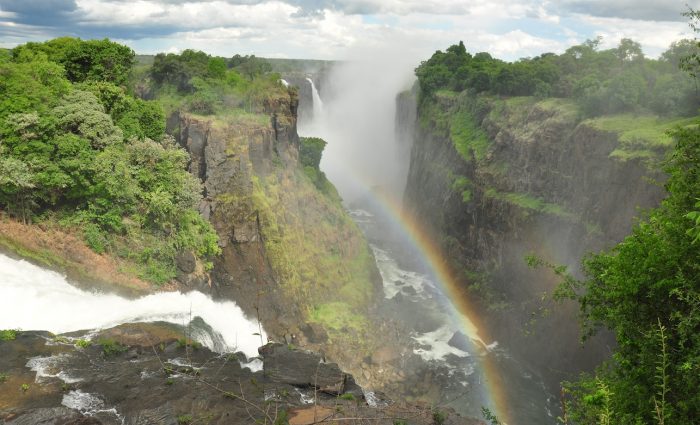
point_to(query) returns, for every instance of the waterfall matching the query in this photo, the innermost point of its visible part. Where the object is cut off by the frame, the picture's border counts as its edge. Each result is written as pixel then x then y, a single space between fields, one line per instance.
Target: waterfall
pixel 39 299
pixel 317 102
pixel 358 123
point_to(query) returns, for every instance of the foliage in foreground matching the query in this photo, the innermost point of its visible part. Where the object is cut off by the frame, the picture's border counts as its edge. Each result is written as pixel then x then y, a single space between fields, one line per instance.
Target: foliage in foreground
pixel 647 291
pixel 76 150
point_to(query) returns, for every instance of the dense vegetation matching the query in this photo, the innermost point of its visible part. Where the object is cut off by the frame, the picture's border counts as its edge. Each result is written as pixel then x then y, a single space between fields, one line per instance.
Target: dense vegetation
pixel 601 81
pixel 647 291
pixel 310 152
pixel 77 151
pixel 206 85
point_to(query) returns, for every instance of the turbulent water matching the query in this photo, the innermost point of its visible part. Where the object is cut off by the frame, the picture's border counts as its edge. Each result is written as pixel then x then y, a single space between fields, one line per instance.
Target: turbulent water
pixel 39 299
pixel 450 358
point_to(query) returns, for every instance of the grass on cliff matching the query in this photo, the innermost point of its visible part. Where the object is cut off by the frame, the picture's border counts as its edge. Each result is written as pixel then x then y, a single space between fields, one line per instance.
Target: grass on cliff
pixel 531 203
pixel 463 185
pixel 640 136
pixel 338 316
pixel 317 250
pixel 468 137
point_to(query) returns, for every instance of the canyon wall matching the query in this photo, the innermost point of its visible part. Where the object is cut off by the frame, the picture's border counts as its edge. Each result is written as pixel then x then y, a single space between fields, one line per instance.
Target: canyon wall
pixel 498 179
pixel 290 253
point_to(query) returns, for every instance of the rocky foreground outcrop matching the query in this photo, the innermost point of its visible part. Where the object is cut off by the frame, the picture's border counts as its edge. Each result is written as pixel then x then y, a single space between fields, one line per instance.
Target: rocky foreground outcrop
pixel 149 374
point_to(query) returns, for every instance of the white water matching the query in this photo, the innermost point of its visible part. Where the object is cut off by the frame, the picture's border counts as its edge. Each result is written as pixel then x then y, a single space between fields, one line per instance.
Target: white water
pixel 38 299
pixel 88 404
pixel 357 120
pixel 318 103
pixel 396 280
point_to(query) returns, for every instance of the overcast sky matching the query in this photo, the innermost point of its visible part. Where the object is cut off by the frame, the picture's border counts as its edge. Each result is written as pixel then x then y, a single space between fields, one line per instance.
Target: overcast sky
pixel 338 29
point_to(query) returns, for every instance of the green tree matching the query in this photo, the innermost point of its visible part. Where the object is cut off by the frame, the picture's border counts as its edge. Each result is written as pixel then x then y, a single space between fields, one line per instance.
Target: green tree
pixel 647 291
pixel 81 113
pixel 16 182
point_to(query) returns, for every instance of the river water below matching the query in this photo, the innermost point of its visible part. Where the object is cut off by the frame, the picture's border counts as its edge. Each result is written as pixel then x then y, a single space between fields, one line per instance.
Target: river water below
pixel 450 358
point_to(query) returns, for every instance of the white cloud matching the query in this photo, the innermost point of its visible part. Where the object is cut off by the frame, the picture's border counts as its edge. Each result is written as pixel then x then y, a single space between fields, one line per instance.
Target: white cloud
pixel 331 29
pixel 190 15
pixel 655 37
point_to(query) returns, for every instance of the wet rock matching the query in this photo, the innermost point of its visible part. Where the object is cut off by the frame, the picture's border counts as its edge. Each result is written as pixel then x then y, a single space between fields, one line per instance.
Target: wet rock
pixel 459 341
pixel 143 335
pixel 301 368
pixel 384 355
pixel 52 416
pixel 240 356
pixel 351 387
pixel 315 333
pixel 161 415
pixel 186 262
pixel 409 290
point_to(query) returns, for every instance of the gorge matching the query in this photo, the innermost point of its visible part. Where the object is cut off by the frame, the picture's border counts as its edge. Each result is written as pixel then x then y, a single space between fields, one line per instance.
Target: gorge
pixel 410 279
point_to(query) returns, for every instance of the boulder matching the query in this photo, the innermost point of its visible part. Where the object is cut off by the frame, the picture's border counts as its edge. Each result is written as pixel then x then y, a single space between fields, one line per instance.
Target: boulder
pixel 301 368
pixel 351 387
pixel 460 341
pixel 186 262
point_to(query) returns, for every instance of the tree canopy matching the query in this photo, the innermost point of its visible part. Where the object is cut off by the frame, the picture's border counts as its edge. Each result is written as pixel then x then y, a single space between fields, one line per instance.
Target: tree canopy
pixel 204 84
pixel 78 151
pixel 601 81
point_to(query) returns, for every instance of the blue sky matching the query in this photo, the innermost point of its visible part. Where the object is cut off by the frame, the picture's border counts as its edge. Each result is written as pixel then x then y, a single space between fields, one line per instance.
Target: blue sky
pixel 340 29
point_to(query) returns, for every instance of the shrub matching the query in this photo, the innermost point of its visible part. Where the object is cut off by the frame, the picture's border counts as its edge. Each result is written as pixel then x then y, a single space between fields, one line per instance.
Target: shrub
pixel 111 347
pixel 8 334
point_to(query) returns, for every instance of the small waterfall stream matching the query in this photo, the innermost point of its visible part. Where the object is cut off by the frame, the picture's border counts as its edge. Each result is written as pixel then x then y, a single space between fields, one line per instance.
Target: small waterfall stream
pixel 317 102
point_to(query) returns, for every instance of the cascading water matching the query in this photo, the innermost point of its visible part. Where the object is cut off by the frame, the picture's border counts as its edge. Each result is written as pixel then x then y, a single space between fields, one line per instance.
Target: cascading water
pixel 39 299
pixel 317 102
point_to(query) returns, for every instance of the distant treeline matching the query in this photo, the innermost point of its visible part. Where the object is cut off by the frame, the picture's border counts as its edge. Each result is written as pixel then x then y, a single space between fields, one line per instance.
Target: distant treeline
pixel 601 81
pixel 205 84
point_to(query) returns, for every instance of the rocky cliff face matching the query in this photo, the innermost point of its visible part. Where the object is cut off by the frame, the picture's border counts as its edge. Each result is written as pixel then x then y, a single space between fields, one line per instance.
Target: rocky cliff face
pixel 498 179
pixel 290 254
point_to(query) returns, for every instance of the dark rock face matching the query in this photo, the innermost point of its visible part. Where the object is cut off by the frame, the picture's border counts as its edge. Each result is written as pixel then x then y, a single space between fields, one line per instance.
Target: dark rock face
pixel 302 368
pixel 53 416
pixel 226 158
pixel 460 341
pixel 186 262
pixel 543 153
pixel 315 333
pixel 286 246
pixel 157 381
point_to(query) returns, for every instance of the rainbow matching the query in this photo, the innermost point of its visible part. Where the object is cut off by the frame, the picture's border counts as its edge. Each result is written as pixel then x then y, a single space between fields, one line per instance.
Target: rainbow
pixel 463 311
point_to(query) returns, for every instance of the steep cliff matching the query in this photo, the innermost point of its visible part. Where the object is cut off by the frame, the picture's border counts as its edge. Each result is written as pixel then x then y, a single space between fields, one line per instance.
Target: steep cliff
pixel 290 253
pixel 497 179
